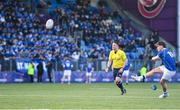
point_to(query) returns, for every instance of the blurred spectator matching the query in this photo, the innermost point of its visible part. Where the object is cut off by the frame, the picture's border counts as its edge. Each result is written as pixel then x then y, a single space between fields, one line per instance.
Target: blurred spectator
pixel 40 71
pixel 154 38
pixel 143 70
pixel 49 67
pixel 31 72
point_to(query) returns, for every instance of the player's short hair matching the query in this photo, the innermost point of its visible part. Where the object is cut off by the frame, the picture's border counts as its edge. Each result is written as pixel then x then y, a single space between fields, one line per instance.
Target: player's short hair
pixel 160 43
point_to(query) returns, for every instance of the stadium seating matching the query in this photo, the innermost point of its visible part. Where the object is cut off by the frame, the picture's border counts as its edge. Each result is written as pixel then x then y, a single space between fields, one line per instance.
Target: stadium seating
pixel 23 34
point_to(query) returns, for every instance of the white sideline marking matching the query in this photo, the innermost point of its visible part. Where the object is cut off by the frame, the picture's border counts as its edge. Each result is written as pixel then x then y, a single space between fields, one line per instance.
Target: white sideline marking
pixel 90 109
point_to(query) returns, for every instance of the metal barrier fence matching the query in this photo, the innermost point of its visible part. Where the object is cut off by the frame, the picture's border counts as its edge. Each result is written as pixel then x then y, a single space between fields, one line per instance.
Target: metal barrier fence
pixel 98 65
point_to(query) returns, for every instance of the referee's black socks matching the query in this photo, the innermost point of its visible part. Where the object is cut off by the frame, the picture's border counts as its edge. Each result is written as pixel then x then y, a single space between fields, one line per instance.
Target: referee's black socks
pixel 119 84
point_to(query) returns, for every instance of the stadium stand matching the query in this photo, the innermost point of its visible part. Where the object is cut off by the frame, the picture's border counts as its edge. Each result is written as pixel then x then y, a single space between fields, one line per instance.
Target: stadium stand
pixel 23 34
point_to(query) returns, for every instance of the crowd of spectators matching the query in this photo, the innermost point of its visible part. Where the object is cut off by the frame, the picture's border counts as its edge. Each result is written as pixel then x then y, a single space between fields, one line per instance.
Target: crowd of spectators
pixel 81 31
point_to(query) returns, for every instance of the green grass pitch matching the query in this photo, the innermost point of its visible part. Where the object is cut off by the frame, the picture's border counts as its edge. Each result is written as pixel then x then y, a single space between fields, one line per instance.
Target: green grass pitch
pixel 99 96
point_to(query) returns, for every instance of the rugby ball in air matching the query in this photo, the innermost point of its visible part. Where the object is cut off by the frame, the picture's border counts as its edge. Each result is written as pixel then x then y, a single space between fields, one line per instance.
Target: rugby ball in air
pixel 49 24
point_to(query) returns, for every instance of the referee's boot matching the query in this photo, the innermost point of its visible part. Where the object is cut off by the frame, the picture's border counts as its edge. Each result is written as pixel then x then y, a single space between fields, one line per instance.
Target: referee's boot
pixel 123 92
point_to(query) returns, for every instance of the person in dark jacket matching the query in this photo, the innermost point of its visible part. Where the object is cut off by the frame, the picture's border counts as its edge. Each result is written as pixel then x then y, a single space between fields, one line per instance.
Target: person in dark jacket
pixel 49 67
pixel 40 71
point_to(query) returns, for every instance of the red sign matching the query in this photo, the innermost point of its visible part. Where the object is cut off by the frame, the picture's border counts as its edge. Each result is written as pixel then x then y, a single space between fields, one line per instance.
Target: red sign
pixel 150 8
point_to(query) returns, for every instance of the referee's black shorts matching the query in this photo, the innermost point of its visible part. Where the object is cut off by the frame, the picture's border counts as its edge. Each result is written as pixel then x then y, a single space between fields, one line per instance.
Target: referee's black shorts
pixel 116 73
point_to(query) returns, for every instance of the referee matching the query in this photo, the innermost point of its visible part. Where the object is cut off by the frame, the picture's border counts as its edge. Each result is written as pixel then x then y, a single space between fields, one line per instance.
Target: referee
pixel 117 58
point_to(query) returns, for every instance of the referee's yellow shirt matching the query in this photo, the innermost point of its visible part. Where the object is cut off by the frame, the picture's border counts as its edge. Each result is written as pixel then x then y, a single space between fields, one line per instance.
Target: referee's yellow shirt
pixel 118 59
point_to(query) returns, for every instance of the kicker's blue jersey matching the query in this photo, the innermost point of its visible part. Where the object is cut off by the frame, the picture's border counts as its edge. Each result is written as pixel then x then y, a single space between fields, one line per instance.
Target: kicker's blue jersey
pixel 167 58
